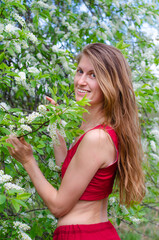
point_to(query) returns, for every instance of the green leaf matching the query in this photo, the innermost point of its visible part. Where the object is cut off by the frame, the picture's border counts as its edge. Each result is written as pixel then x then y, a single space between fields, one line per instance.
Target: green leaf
pixel 1 57
pixel 21 203
pixel 4 130
pixel 118 221
pixel 23 196
pixel 2 199
pixel 15 204
pixel 10 50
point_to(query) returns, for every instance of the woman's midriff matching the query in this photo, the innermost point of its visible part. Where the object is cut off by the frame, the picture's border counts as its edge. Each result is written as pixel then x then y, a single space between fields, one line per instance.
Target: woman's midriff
pixel 86 212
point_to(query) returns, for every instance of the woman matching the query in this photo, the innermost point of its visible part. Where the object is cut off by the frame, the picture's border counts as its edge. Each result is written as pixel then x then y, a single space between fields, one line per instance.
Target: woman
pixel 110 146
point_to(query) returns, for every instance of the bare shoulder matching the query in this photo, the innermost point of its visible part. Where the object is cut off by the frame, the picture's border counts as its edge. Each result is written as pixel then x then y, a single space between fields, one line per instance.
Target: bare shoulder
pixel 98 136
pixel 98 141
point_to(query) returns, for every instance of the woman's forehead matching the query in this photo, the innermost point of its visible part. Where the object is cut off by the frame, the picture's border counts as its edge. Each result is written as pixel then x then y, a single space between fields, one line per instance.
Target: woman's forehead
pixel 85 63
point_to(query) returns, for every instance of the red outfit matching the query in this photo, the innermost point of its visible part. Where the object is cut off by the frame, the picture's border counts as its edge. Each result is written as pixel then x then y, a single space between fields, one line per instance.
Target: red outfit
pixel 99 188
pixel 102 183
pixel 98 231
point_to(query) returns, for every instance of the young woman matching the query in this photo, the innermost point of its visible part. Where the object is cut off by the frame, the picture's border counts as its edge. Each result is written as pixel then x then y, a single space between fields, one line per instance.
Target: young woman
pixel 109 147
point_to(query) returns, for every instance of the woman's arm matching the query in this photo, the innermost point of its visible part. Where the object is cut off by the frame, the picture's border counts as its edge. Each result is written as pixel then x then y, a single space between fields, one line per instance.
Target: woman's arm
pixel 94 150
pixel 60 151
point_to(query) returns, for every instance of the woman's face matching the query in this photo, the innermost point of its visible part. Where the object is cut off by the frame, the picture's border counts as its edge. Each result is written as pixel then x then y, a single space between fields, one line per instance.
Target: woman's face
pixel 85 82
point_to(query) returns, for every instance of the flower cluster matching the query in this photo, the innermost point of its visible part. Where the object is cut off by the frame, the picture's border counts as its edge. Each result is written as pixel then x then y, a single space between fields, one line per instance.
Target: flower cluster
pixel 134 219
pixel 19 19
pixel 53 166
pixel 17 47
pixel 9 186
pixel 42 109
pixel 153 145
pixel 52 128
pixel 21 226
pixel 155 132
pixel 25 127
pixel 33 70
pixel 22 81
pixel 24 236
pixel 4 177
pixel 10 28
pixel 4 106
pixel 112 200
pixel 31 117
pixel 32 38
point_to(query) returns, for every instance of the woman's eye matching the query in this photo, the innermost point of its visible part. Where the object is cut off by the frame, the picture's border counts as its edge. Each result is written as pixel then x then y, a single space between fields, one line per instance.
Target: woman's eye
pixel 79 71
pixel 93 75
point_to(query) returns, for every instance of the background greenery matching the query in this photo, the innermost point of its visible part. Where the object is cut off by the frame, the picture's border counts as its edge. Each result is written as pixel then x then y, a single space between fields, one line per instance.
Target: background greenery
pixel 38 42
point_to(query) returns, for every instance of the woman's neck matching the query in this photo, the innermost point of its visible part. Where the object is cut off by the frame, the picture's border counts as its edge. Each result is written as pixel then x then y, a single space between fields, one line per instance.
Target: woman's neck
pixel 92 118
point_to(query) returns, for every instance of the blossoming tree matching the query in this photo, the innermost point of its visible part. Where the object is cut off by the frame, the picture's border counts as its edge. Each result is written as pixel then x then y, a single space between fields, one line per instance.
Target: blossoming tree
pixel 39 40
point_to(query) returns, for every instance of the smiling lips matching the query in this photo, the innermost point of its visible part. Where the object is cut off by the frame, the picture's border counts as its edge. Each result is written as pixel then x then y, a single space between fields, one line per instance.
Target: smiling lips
pixel 83 90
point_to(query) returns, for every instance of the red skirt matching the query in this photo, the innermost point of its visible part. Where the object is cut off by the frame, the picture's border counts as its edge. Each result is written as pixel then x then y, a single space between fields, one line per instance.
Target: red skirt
pixel 98 231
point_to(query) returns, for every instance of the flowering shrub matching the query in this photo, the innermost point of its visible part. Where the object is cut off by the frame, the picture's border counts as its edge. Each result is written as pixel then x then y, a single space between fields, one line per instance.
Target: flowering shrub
pixel 39 40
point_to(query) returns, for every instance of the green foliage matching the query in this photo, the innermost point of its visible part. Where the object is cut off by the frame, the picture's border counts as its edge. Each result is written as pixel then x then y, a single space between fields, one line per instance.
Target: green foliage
pixel 39 40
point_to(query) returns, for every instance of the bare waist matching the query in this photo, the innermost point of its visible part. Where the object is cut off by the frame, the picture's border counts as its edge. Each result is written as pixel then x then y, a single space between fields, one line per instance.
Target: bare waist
pixel 86 212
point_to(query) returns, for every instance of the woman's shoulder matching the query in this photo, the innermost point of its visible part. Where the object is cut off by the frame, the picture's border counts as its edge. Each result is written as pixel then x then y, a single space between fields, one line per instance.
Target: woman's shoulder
pixel 97 136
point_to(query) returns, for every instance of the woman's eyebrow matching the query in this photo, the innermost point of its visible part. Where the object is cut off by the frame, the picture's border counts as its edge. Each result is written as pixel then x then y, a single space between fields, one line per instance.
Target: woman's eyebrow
pixel 89 71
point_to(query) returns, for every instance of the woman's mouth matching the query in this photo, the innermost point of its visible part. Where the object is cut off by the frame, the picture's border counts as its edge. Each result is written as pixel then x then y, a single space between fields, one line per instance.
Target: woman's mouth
pixel 82 91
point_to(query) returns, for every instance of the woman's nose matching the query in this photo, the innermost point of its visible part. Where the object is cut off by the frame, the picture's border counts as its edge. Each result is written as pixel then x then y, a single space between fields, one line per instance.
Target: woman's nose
pixel 82 79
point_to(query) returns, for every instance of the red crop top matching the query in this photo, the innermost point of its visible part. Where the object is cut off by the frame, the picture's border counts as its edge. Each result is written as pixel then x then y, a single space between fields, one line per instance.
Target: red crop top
pixel 102 183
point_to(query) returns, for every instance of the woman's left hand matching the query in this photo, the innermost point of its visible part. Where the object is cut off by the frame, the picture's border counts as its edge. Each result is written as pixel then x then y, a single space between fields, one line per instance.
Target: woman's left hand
pixel 21 150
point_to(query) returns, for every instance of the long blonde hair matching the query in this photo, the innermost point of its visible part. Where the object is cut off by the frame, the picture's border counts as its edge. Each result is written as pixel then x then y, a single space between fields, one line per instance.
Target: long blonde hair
pixel 114 78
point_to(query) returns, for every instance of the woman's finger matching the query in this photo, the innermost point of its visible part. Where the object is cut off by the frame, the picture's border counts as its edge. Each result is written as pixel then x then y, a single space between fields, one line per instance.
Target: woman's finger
pixel 14 141
pixel 51 100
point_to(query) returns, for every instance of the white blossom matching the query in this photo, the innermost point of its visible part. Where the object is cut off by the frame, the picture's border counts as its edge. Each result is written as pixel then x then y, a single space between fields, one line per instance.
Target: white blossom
pixel 4 106
pixel 32 37
pixel 4 177
pixel 135 220
pixel 31 117
pixel 52 165
pixel 155 132
pixel 31 190
pixel 43 5
pixel 22 120
pixel 24 236
pixel 94 18
pixel 42 109
pixel 1 172
pixel 52 131
pixel 26 128
pixel 10 28
pixel 21 79
pixel 24 44
pixel 9 186
pixel 21 226
pixel 11 127
pixel 112 200
pixel 39 56
pixel 155 156
pixel 19 19
pixel 17 47
pixel 153 145
pixel 55 48
pixel 40 215
pixel 33 70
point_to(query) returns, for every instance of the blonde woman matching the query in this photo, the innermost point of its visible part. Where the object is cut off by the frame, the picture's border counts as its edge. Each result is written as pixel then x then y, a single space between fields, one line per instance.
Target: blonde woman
pixel 110 147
